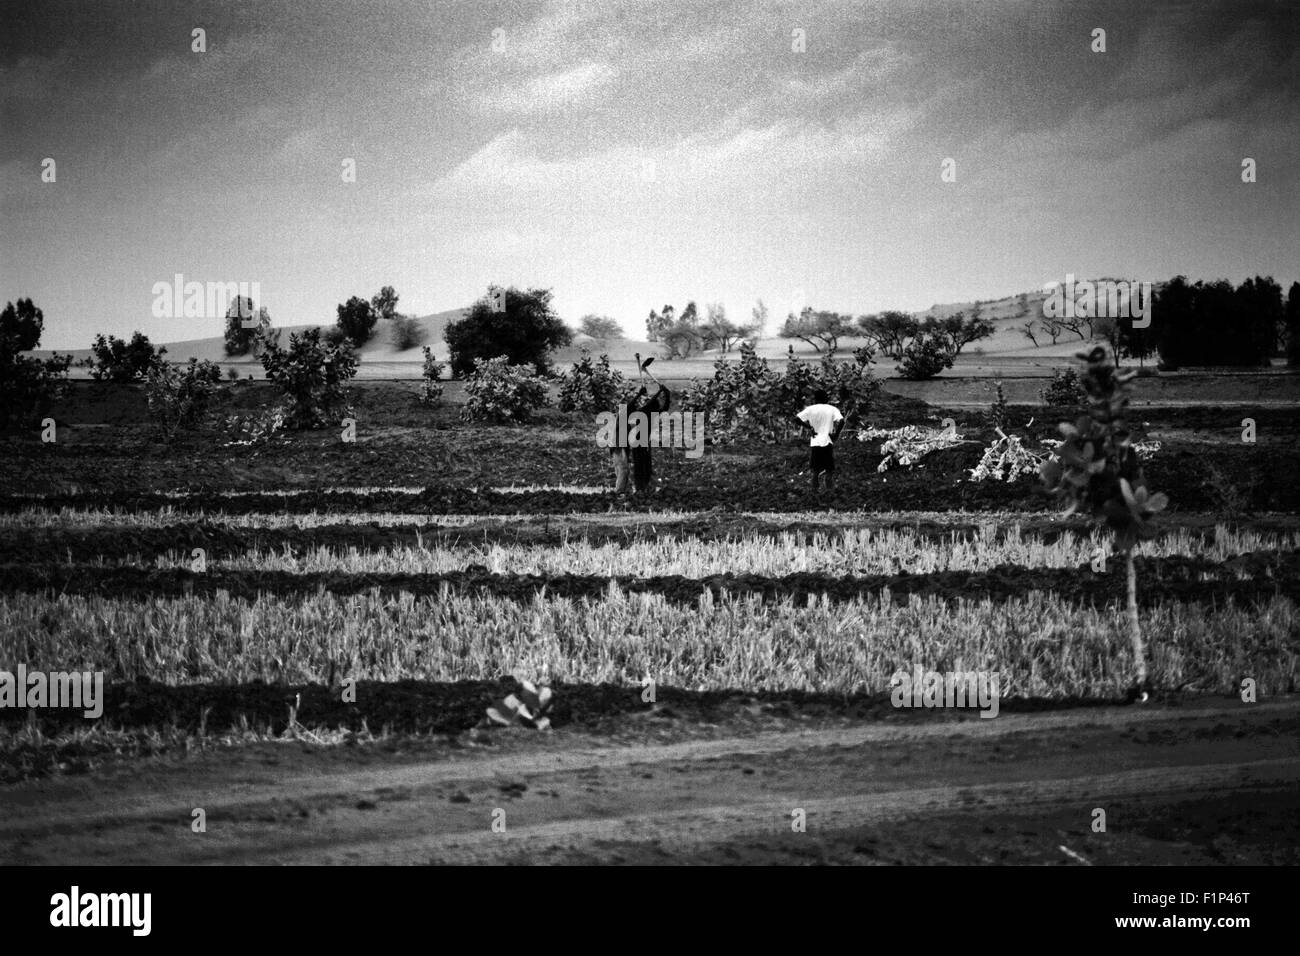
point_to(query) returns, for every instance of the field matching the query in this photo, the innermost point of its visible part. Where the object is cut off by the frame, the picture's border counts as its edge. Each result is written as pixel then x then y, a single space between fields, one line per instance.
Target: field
pixel 232 595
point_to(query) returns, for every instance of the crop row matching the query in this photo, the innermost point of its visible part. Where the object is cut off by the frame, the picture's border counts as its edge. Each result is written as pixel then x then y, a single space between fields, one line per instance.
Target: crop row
pixel 1040 646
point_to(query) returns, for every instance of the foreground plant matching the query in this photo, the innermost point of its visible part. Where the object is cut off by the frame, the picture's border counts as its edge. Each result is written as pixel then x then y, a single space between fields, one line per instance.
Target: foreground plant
pixel 1098 470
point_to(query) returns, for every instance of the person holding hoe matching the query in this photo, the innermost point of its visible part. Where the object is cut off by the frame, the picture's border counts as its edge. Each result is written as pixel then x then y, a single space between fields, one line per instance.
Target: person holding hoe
pixel 639 455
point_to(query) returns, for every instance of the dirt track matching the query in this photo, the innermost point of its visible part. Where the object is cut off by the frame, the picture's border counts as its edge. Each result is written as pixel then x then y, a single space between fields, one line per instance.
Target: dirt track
pixel 1205 783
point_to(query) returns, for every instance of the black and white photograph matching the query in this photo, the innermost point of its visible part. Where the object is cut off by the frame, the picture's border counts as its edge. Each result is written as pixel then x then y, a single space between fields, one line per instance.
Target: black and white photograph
pixel 651 433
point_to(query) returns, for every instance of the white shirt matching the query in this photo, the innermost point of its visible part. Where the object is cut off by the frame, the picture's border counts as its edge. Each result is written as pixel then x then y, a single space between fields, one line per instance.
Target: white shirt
pixel 822 418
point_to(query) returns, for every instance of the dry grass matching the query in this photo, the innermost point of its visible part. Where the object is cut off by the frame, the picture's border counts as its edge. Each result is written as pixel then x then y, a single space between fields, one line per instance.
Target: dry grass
pixel 1039 647
pixel 852 552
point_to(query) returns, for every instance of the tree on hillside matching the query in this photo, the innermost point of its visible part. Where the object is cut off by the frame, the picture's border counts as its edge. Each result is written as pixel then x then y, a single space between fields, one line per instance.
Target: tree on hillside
pixel 357 319
pixel 241 340
pixel 890 331
pixel 957 331
pixel 384 303
pixel 526 331
pixel 600 327
pixel 1028 331
pixel 821 330
pixel 721 332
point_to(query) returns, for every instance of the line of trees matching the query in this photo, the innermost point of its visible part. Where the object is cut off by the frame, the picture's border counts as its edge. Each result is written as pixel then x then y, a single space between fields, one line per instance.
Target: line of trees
pixel 1212 323
pixel 681 336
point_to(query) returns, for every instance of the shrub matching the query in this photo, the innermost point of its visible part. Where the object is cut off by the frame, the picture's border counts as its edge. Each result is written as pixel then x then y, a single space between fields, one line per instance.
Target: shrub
pixel 924 358
pixel 357 318
pixel 312 376
pixel 114 360
pixel 749 400
pixel 232 375
pixel 521 326
pixel 430 390
pixel 1064 390
pixel 592 386
pixel 500 392
pixel 179 397
pixel 997 416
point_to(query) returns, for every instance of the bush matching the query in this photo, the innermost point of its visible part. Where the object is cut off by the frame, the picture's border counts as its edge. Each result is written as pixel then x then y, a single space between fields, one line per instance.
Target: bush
pixel 1064 390
pixel 312 376
pixel 925 357
pixel 356 319
pixel 525 330
pixel 749 400
pixel 500 392
pixel 593 386
pixel 407 333
pixel 232 375
pixel 997 415
pixel 117 361
pixel 179 397
pixel 431 391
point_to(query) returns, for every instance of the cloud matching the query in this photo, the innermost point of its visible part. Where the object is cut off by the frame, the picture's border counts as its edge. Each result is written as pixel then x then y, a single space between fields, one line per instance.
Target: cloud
pixel 552 92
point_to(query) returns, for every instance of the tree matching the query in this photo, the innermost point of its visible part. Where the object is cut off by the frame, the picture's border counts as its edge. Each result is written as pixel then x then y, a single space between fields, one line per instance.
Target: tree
pixel 1097 470
pixel 1108 328
pixel 957 331
pixel 384 303
pixel 241 340
pixel 27 385
pixel 357 319
pixel 1292 315
pixel 1126 340
pixel 21 326
pixel 1028 331
pixel 890 331
pixel 759 314
pixel 660 322
pixel 526 331
pixel 818 329
pixel 600 327
pixel 720 331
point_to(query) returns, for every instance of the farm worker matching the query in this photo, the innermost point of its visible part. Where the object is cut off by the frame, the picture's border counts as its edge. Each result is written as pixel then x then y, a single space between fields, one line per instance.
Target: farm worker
pixel 825 421
pixel 639 455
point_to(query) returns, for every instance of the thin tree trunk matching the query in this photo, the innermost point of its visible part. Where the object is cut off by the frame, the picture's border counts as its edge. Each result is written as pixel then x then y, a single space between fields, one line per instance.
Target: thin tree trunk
pixel 1134 627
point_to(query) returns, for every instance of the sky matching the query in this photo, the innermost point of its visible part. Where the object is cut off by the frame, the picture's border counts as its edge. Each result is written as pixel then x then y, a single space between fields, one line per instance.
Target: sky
pixel 628 155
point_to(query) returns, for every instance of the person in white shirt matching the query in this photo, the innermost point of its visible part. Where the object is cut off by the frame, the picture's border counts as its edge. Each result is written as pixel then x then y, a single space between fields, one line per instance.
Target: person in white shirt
pixel 825 421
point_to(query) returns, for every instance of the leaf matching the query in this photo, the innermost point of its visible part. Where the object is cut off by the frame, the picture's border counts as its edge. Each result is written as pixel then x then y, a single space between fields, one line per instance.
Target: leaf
pixel 1158 502
pixel 1126 490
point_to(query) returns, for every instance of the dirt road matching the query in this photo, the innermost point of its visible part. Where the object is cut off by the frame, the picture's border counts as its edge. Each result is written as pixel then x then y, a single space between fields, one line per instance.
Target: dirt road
pixel 1210 782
